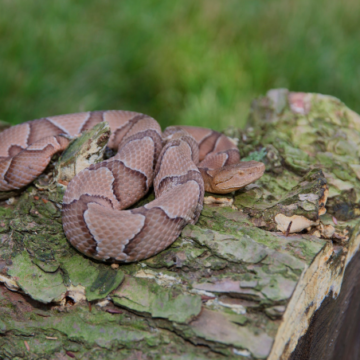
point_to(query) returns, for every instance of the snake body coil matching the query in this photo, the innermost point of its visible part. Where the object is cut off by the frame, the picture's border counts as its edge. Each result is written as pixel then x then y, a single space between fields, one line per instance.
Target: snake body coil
pixel 93 217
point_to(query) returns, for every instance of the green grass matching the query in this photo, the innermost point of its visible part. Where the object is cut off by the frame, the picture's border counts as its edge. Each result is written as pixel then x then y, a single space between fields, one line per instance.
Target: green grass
pixel 183 62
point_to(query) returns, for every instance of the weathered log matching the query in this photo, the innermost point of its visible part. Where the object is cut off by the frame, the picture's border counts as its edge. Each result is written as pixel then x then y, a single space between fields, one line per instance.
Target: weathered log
pixel 269 272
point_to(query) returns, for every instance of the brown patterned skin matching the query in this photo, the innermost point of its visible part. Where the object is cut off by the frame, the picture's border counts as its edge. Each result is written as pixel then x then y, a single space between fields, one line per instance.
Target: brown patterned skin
pixel 181 164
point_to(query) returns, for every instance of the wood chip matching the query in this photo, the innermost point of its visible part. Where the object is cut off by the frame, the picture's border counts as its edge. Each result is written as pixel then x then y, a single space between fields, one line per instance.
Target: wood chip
pixel 209 200
pixel 27 346
pixel 43 315
pixel 114 311
pixel 205 298
pixel 66 183
pixel 288 229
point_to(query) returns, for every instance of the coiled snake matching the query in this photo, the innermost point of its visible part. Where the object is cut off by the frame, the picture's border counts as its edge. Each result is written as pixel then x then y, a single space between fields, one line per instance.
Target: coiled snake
pixel 180 163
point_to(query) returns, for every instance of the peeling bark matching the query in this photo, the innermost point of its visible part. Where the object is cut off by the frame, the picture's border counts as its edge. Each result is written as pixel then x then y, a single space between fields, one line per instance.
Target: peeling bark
pixel 255 278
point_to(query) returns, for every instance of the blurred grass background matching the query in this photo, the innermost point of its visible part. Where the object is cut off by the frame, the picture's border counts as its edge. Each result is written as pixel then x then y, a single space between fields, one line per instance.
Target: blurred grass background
pixel 183 62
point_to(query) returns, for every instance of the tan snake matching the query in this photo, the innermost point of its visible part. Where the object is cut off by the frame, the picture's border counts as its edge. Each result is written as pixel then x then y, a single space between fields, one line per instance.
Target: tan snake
pixel 93 217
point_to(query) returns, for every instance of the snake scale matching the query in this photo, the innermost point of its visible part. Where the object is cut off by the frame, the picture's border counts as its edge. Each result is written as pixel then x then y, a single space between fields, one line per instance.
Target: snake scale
pixel 181 164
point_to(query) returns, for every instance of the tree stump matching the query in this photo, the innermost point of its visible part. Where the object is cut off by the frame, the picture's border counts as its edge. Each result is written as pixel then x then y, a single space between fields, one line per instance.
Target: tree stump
pixel 269 272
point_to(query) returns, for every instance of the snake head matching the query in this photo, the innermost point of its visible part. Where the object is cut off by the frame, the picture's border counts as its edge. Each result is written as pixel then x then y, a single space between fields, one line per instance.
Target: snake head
pixel 237 176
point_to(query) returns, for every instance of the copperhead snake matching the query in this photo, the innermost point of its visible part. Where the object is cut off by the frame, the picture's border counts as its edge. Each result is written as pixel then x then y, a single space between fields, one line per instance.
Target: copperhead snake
pixel 180 163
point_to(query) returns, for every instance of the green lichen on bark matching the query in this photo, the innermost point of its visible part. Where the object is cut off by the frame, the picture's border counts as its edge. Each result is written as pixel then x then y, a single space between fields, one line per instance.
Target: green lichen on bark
pixel 303 131
pixel 145 296
pixel 221 289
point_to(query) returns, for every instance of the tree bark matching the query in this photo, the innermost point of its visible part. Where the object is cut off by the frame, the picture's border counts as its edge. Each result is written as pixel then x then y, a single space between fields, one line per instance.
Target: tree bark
pixel 269 272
